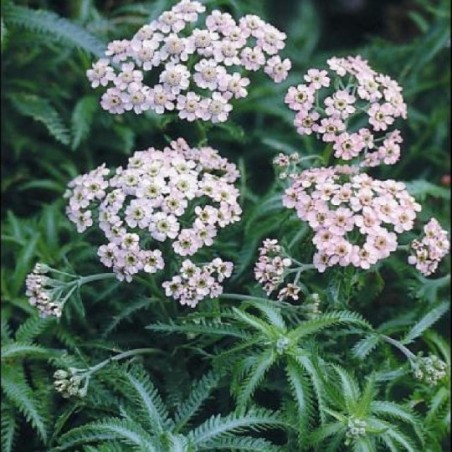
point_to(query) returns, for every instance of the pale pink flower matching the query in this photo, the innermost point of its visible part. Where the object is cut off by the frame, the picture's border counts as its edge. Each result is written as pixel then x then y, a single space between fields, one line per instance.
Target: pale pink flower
pixel 277 69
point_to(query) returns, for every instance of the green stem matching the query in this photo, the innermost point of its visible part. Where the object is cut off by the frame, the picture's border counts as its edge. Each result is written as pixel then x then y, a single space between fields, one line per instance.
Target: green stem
pixel 137 351
pixel 233 296
pixel 411 356
pixel 88 279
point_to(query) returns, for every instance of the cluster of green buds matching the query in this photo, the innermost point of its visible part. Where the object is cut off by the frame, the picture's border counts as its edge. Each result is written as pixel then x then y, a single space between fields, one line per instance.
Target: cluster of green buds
pixel 356 428
pixel 49 289
pixel 282 344
pixel 72 382
pixel 429 370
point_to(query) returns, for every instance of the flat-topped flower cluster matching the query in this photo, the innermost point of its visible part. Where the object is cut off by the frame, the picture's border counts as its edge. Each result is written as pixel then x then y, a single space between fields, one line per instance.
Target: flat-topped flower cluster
pixel 353 107
pixel 428 252
pixel 193 284
pixel 356 219
pixel 200 70
pixel 179 195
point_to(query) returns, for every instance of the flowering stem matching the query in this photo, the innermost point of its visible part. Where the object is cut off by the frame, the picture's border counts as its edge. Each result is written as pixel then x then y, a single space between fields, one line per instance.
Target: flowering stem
pixel 137 351
pixel 403 248
pixel 87 279
pixel 233 296
pixel 411 356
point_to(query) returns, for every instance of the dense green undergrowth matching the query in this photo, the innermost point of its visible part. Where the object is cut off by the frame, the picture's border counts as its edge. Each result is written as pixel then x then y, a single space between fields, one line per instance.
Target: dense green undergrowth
pixel 241 372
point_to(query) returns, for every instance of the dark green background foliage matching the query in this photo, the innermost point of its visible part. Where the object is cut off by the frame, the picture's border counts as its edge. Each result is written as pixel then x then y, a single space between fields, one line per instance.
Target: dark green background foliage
pixel 53 129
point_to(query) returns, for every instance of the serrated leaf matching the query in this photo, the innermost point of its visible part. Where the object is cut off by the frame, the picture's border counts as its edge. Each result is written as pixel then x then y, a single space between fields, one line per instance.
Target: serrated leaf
pixel 82 118
pixel 53 26
pixel 426 322
pixel 41 110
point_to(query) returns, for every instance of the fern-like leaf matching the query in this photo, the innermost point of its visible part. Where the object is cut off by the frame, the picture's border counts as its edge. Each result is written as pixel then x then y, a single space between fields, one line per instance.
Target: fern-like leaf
pixel 33 327
pixel 365 346
pixel 237 443
pixel 364 403
pixel 326 320
pixel 391 431
pixel 302 394
pixel 350 388
pixel 272 313
pixel 21 350
pixel 254 322
pixel 199 393
pixel 21 396
pixel 53 27
pixel 41 110
pixel 109 429
pixel 426 322
pixel 82 118
pixel 148 401
pixel 262 364
pixel 9 428
pixel 325 431
pixel 205 327
pixel 217 426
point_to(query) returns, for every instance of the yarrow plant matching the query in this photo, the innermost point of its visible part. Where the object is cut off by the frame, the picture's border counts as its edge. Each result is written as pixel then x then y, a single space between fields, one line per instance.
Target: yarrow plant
pixel 200 70
pixel 353 107
pixel 180 195
pixel 292 324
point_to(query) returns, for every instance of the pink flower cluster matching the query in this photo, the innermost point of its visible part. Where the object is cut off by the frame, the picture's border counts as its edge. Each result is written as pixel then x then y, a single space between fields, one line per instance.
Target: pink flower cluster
pixel 353 107
pixel 200 69
pixel 181 195
pixel 41 292
pixel 272 268
pixel 431 249
pixel 193 284
pixel 356 219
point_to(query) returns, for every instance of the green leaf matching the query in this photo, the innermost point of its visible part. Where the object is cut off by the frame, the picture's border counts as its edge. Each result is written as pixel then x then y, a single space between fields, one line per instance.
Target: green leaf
pixel 24 263
pixel 237 443
pixel 365 346
pixel 53 27
pixel 217 426
pixel 327 320
pixel 9 428
pixel 421 189
pixel 82 118
pixel 426 322
pixel 155 415
pixel 205 327
pixel 350 388
pixel 19 393
pixel 199 393
pixel 302 394
pixel 262 364
pixel 20 350
pixel 109 429
pixel 41 110
pixel 326 431
pixel 33 327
